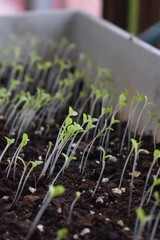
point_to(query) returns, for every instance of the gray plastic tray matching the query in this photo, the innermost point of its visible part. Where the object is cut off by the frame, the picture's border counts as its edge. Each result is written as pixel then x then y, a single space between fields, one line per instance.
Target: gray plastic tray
pixel 135 64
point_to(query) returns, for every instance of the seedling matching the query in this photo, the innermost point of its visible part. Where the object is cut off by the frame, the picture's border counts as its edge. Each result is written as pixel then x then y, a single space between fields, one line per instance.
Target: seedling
pixel 23 143
pixel 53 193
pixel 144 219
pixel 156 156
pixel 62 233
pixel 146 103
pixel 49 148
pixel 150 117
pixel 33 164
pixel 132 109
pixel 10 141
pixel 78 194
pixel 156 182
pixel 104 157
pixel 66 162
pixel 153 209
pixel 137 151
pixel 155 226
pixel 155 132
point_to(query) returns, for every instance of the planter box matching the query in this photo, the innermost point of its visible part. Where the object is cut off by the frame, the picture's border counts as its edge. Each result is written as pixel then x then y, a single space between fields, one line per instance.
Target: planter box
pixel 135 64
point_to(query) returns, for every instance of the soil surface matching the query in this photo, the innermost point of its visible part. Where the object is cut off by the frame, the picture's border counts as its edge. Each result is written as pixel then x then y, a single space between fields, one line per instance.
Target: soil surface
pixel 102 217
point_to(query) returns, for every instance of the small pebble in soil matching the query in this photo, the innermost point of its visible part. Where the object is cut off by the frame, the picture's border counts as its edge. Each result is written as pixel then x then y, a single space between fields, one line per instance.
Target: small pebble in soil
pixel 131 185
pixel 83 180
pixel 32 190
pixel 98 162
pixel 104 180
pixel 40 227
pixel 92 212
pixel 91 191
pixel 99 200
pixel 136 174
pixel 127 229
pixel 108 219
pixel 52 122
pixel 73 145
pixel 120 223
pixel 1 117
pixel 40 158
pixel 116 191
pixel 113 159
pixel 75 236
pixel 85 231
pixel 5 197
pixel 59 210
pixel 123 190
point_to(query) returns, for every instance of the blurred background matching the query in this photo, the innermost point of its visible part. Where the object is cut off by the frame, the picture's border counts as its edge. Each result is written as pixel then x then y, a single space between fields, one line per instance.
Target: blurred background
pixel 134 16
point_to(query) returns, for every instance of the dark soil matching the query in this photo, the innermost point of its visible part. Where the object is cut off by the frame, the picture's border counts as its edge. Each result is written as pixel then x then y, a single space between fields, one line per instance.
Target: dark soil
pixel 99 217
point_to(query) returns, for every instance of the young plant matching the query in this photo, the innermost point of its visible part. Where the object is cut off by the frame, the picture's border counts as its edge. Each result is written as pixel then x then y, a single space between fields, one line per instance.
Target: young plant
pixel 156 182
pixel 132 109
pixel 146 103
pixel 10 141
pixel 62 233
pixel 23 143
pixel 155 226
pixel 155 132
pixel 104 157
pixel 153 209
pixel 89 147
pixel 50 144
pixel 53 192
pixel 20 185
pixel 156 156
pixel 137 151
pixel 144 219
pixel 150 118
pixel 89 122
pixel 66 163
pixel 78 194
pixel 66 132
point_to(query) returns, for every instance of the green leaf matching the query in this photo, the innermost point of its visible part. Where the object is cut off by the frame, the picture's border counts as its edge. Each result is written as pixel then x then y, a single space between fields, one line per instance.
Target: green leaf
pixel 25 139
pixel 78 194
pixel 84 118
pixel 156 154
pixel 68 159
pixel 63 232
pixel 55 191
pixel 134 144
pixel 50 144
pixel 114 121
pixel 141 214
pixel 35 163
pixel 70 129
pixel 144 151
pixel 72 112
pixel 68 121
pixel 103 152
pixel 9 141
pixel 106 110
pixel 156 181
pixel 157 197
pixel 134 99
